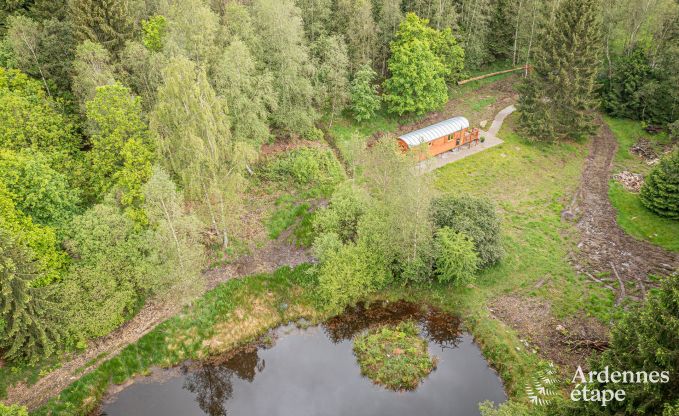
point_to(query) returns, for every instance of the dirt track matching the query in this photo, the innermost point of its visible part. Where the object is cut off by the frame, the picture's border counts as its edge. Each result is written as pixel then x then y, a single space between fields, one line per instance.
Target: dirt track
pixel 606 253
pixel 270 257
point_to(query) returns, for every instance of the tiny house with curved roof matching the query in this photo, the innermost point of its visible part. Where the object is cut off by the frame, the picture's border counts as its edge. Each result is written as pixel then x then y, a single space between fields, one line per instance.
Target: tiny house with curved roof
pixel 441 137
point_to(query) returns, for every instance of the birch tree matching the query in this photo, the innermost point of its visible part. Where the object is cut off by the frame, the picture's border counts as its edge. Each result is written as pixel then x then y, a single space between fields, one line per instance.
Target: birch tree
pixel 192 127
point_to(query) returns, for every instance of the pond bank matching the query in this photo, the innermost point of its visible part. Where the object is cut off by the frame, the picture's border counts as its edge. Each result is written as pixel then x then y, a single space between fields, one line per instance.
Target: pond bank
pixel 312 371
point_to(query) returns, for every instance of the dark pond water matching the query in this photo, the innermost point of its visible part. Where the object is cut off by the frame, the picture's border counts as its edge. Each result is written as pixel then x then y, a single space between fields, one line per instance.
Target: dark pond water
pixel 313 372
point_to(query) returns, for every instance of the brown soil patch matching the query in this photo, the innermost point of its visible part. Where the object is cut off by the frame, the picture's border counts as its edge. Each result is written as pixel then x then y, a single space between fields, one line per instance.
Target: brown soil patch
pixel 552 338
pixel 621 262
pixel 286 145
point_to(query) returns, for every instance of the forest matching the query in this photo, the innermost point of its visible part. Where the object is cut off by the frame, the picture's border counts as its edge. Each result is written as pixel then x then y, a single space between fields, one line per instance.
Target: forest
pixel 147 146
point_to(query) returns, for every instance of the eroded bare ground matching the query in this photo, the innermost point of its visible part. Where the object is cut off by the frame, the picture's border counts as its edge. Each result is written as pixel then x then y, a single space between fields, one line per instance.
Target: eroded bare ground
pixel 567 342
pixel 273 255
pixel 606 254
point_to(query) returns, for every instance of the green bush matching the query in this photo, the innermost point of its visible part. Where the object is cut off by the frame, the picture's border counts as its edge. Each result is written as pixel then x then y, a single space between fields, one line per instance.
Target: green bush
pixel 13 410
pixel 349 274
pixel 660 192
pixel 306 166
pixel 474 217
pixel 347 205
pixel 325 245
pixel 456 260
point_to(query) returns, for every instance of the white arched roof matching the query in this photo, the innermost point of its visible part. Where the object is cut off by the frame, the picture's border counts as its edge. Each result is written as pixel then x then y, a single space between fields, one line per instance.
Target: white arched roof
pixel 435 131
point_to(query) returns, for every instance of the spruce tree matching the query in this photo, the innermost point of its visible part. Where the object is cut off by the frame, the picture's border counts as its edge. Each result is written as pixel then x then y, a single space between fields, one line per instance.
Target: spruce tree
pixel 109 22
pixel 558 99
pixel 660 192
pixel 27 330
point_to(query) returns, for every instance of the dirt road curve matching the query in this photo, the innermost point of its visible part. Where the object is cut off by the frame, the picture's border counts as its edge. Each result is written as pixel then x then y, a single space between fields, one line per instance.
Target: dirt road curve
pixel 604 246
pixel 274 255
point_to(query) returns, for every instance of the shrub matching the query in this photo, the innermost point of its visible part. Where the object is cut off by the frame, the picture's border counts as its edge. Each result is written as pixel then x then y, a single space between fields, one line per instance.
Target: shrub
pixel 474 217
pixel 306 166
pixel 396 358
pixel 347 206
pixel 660 192
pixel 13 410
pixel 349 274
pixel 456 260
pixel 325 245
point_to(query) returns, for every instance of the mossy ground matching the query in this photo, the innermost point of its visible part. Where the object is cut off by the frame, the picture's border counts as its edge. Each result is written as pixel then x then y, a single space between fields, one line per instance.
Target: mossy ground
pixel 394 356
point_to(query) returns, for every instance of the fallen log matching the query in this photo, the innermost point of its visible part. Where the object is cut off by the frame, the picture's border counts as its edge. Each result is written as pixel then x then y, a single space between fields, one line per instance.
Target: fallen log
pixel 492 74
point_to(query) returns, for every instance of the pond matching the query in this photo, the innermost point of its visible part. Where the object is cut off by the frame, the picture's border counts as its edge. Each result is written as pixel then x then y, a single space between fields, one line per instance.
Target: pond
pixel 312 371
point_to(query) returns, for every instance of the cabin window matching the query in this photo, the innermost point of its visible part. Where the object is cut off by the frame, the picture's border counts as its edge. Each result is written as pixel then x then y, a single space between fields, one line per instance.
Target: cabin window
pixel 449 138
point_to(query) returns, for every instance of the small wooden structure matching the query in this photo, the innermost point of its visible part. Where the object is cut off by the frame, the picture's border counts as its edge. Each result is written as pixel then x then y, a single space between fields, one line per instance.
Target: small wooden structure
pixel 441 137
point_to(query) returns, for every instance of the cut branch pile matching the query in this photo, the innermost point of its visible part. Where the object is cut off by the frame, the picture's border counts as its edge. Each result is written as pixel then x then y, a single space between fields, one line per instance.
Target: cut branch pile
pixel 579 341
pixel 632 182
pixel 644 149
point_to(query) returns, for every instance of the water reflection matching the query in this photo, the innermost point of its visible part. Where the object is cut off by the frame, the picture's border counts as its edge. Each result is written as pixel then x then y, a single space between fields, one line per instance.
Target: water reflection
pixel 312 372
pixel 440 327
pixel 211 381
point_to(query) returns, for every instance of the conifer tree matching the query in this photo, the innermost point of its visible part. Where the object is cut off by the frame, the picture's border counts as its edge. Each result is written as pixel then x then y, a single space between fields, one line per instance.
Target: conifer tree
pixel 660 192
pixel 557 99
pixel 109 22
pixel 26 330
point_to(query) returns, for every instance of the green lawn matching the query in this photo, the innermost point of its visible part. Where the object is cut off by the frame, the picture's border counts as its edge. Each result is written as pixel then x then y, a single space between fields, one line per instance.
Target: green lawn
pixel 641 223
pixel 632 216
pixel 530 182
pixel 628 132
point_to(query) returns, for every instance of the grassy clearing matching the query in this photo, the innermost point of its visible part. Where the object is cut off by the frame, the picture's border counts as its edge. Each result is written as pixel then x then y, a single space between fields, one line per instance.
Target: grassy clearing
pixel 530 183
pixel 482 103
pixel 232 314
pixel 627 133
pixel 641 223
pixel 394 357
pixel 632 216
pixel 287 213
